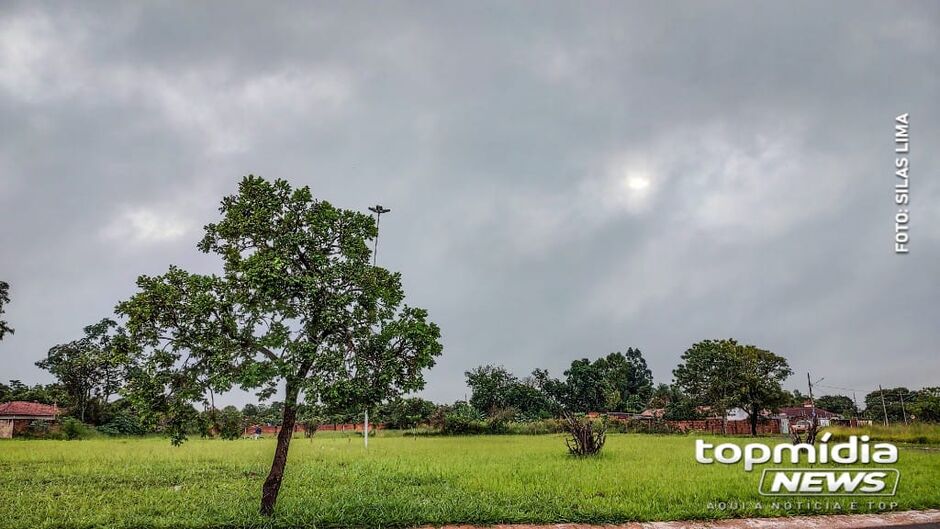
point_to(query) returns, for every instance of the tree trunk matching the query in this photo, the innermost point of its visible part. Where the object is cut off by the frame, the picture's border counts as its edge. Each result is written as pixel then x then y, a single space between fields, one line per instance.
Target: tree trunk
pixel 273 483
pixel 754 414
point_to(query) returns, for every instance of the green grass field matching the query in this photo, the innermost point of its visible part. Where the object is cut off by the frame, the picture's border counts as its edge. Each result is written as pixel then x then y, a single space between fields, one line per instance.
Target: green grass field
pixel 331 480
pixel 917 433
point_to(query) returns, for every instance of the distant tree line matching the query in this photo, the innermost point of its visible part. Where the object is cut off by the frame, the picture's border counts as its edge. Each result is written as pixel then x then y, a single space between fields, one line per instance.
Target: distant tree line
pixel 714 377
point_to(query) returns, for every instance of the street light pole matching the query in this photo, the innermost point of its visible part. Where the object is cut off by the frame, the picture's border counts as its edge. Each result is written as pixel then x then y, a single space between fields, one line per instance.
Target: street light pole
pixel 378 209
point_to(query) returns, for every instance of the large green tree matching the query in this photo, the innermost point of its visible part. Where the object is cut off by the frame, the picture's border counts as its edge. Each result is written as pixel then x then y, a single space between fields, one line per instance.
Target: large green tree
pixel 89 368
pixel 4 299
pixel 926 405
pixel 724 374
pixel 896 404
pixel 298 308
pixel 493 388
pixel 840 404
pixel 489 387
pixel 616 382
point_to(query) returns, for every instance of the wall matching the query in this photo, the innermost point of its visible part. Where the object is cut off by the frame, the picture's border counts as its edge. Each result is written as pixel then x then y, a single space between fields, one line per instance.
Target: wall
pixel 6 428
pixel 767 426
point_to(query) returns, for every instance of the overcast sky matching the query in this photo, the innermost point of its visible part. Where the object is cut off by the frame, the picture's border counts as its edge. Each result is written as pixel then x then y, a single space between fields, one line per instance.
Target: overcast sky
pixel 565 179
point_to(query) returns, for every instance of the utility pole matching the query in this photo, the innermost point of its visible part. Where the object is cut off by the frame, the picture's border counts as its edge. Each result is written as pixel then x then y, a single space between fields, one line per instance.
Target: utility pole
pixel 810 383
pixel 378 209
pixel 883 407
pixel 903 412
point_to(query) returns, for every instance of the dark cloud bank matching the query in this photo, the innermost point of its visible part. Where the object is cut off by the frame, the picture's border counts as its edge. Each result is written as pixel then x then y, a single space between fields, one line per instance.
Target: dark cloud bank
pixel 565 179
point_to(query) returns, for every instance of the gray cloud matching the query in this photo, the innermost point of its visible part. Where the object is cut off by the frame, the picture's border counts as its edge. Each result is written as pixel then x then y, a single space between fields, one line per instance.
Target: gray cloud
pixel 565 180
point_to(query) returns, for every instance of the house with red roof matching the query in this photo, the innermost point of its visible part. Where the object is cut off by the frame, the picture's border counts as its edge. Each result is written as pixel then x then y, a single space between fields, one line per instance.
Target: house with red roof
pixel 16 416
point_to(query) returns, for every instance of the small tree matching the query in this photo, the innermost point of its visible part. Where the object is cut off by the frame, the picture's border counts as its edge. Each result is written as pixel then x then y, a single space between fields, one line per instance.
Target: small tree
pixel 230 422
pixel 299 306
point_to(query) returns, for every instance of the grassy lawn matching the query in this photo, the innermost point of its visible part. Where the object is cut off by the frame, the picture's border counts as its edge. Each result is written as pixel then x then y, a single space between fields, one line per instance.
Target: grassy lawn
pixel 917 433
pixel 400 481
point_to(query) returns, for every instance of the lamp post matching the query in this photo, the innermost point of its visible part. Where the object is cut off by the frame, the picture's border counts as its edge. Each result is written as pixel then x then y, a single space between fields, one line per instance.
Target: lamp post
pixel 378 209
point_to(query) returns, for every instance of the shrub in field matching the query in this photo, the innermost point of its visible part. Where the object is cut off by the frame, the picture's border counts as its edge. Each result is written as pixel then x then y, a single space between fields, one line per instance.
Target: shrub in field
pixel 73 429
pixel 547 426
pixel 123 424
pixel 230 423
pixel 586 436
pixel 499 419
pixel 460 419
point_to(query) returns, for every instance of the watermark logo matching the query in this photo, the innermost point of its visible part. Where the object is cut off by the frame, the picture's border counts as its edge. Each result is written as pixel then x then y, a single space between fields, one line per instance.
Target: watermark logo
pixel 800 480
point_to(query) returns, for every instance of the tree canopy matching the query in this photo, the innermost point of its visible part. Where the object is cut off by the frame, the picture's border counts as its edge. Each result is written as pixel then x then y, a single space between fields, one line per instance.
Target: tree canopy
pixel 840 404
pixel 724 374
pixel 90 368
pixel 298 308
pixel 616 382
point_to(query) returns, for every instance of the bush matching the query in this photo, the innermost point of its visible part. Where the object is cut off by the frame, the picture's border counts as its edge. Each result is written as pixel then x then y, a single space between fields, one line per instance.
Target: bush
pixel 547 426
pixel 123 424
pixel 461 419
pixel 586 436
pixel 74 429
pixel 230 423
pixel 499 420
pixel 37 430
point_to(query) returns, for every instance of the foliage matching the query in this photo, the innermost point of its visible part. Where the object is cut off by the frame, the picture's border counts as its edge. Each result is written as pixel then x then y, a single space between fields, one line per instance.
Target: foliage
pixel 42 393
pixel 617 382
pixel 311 416
pixel 231 423
pixel 406 413
pixel 489 387
pixel 893 398
pixel 89 368
pixel 299 304
pixel 915 433
pixel 676 405
pixel 724 375
pixel 839 404
pixel 795 398
pixel 263 413
pixel 493 387
pixel 38 429
pixel 682 409
pixel 74 429
pixel 586 437
pixel 499 419
pixel 123 423
pixel 4 300
pixel 926 405
pixel 458 419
